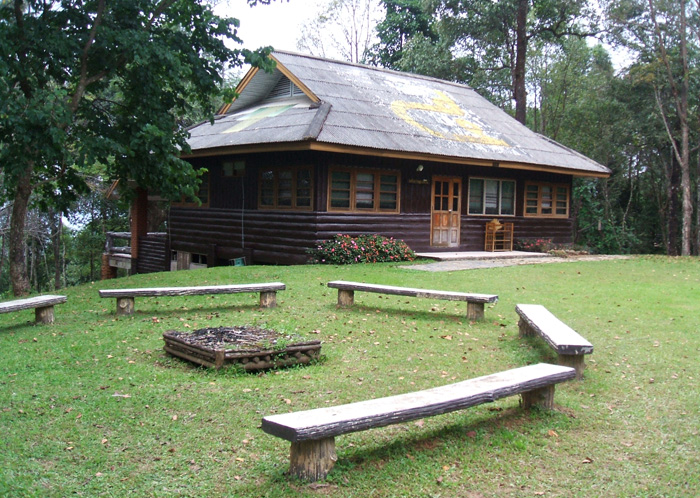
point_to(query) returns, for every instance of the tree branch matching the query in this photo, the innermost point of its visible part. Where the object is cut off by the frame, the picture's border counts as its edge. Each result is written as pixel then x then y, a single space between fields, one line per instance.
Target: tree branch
pixel 84 80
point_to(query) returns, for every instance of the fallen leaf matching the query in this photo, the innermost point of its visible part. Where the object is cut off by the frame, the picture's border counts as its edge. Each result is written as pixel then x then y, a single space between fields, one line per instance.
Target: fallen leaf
pixel 420 423
pixel 104 441
pixel 553 433
pixel 471 434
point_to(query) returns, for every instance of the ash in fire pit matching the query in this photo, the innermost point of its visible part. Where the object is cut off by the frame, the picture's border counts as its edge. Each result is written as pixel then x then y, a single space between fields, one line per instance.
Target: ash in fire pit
pixel 252 348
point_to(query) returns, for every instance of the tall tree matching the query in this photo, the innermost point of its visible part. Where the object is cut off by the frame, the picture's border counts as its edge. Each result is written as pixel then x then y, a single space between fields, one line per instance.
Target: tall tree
pixel 658 33
pixel 495 36
pixel 96 80
pixel 403 20
pixel 342 28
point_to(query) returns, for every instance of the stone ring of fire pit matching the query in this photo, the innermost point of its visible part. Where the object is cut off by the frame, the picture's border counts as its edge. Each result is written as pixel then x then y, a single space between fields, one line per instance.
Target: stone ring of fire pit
pixel 252 348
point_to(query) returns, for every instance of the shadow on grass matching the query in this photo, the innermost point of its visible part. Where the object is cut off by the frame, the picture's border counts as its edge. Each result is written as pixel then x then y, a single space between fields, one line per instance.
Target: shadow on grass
pixel 412 313
pixel 175 312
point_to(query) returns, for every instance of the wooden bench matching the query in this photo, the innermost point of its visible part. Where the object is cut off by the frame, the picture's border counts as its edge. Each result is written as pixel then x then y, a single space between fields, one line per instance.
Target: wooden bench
pixel 125 297
pixel 569 345
pixel 475 302
pixel 312 432
pixel 43 306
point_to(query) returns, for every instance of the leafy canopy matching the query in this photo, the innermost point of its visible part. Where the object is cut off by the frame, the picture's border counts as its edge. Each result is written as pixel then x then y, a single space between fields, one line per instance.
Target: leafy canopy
pixel 95 81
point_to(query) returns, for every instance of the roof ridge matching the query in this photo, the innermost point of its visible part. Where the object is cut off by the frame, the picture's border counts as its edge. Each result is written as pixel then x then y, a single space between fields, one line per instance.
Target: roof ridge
pixel 373 68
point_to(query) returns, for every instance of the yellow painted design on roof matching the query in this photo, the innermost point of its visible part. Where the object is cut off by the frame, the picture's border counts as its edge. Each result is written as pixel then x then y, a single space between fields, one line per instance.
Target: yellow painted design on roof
pixel 443 105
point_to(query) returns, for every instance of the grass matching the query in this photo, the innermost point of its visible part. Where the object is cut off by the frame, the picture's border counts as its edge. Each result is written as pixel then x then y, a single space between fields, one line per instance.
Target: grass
pixel 92 406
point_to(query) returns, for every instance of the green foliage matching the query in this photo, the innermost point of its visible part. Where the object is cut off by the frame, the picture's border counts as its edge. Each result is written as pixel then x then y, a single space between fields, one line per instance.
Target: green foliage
pixel 346 250
pixel 404 20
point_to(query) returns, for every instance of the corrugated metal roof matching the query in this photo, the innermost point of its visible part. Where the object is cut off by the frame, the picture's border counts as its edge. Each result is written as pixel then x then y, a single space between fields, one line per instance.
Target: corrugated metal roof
pixel 380 109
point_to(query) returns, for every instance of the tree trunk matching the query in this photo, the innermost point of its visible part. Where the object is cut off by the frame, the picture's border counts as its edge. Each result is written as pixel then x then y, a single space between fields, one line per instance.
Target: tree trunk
pixel 18 262
pixel 57 231
pixel 519 92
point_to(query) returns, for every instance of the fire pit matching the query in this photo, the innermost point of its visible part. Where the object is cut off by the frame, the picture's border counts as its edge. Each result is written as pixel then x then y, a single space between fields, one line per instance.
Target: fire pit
pixel 251 348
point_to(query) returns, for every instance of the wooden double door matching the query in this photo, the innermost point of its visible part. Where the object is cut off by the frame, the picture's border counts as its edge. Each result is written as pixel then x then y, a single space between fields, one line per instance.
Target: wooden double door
pixel 445 211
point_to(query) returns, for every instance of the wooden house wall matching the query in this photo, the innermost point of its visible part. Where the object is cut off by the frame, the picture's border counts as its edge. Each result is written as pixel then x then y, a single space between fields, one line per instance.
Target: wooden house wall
pixel 224 231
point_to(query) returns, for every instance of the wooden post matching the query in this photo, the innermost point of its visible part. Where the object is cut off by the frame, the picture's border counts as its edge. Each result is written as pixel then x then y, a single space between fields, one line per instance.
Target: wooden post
pixel 219 358
pixel 125 305
pixel 44 315
pixel 313 459
pixel 475 311
pixel 575 361
pixel 524 329
pixel 542 397
pixel 268 299
pixel 346 298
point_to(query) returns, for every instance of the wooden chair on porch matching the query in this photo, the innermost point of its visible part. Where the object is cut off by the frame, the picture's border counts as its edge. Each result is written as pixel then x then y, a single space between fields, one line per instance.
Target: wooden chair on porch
pixel 499 236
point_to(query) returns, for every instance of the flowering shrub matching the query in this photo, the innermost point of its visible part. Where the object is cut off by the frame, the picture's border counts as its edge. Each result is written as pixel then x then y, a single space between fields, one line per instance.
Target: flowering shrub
pixel 345 250
pixel 533 245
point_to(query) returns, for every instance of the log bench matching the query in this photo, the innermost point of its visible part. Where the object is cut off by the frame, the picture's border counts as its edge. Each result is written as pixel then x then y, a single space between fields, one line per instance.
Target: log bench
pixel 125 297
pixel 535 319
pixel 312 432
pixel 475 302
pixel 43 306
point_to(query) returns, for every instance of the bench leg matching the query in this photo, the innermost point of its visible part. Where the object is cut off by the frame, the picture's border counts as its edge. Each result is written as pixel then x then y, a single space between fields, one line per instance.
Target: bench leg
pixel 346 298
pixel 542 397
pixel 312 460
pixel 524 329
pixel 44 314
pixel 475 312
pixel 125 306
pixel 268 299
pixel 575 361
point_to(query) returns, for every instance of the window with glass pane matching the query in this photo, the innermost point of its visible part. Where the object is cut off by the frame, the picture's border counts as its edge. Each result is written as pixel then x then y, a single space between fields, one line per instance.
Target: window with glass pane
pixel 340 189
pixel 284 188
pixel 388 192
pixel 476 196
pixel 364 191
pixel 267 188
pixel 542 199
pixel 532 195
pixel 562 205
pixel 508 198
pixel 303 188
pixel 546 199
pixel 492 197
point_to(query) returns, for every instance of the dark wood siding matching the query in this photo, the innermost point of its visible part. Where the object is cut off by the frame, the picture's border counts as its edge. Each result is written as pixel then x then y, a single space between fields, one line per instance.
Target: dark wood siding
pixel 224 231
pixel 153 254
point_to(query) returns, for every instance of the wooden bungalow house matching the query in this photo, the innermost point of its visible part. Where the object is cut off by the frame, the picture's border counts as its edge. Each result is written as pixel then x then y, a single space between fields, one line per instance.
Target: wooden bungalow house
pixel 320 147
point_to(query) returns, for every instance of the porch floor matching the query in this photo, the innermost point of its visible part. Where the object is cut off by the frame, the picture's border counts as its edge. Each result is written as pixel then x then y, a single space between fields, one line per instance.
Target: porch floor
pixel 479 255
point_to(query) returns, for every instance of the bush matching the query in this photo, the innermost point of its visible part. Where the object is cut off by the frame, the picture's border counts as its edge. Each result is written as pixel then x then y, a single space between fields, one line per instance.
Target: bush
pixel 533 245
pixel 345 250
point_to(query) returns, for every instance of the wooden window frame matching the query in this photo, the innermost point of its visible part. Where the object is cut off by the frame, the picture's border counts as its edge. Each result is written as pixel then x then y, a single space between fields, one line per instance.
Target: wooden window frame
pixel 554 200
pixel 483 196
pixel 294 170
pixel 377 190
pixel 191 203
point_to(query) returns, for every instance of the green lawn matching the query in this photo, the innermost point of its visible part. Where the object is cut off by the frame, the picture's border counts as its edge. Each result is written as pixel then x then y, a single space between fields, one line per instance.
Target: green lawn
pixel 92 406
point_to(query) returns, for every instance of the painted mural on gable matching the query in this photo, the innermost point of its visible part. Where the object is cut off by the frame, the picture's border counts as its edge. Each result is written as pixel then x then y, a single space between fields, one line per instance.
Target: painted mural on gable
pixel 442 117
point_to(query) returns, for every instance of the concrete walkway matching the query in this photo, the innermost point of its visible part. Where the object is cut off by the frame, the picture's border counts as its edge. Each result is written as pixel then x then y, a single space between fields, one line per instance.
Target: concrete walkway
pixel 456 261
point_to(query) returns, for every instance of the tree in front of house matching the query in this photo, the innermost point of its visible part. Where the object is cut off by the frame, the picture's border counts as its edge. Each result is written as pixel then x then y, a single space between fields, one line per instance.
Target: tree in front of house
pixel 102 81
